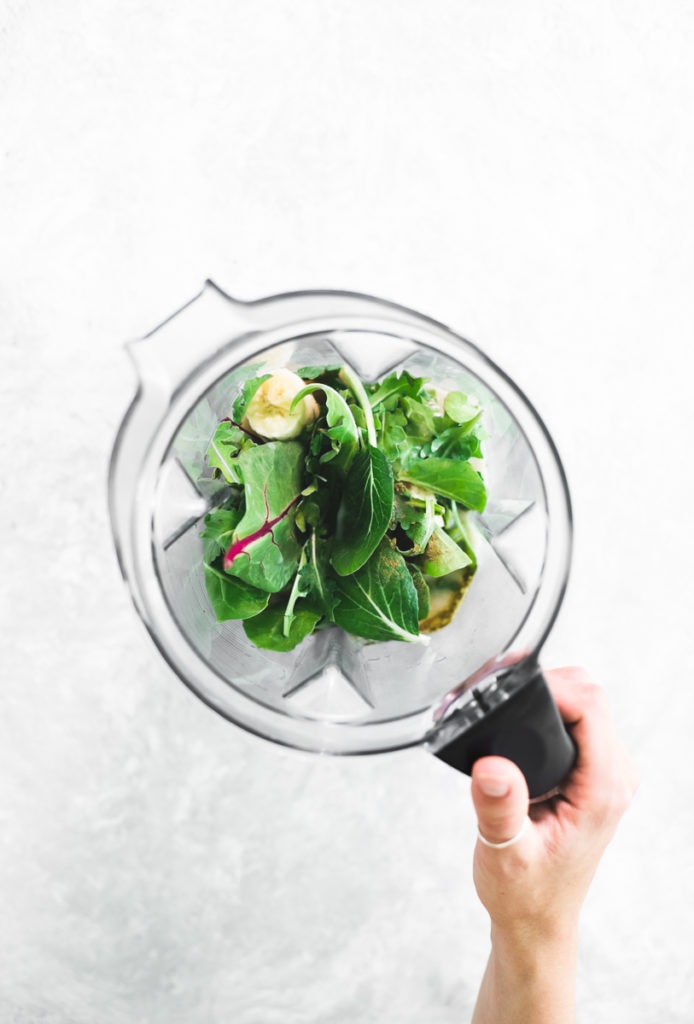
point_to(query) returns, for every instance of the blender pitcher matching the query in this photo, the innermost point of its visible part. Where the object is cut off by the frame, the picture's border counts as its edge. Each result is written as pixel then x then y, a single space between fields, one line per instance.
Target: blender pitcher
pixel 476 687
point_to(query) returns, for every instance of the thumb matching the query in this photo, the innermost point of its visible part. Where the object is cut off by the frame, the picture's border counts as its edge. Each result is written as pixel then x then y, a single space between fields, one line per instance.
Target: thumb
pixel 500 796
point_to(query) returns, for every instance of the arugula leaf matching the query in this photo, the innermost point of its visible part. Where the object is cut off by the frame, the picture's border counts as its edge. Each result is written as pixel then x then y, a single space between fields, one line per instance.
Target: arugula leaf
pixel 314 508
pixel 232 598
pixel 379 601
pixel 226 445
pixel 342 428
pixel 365 418
pixel 312 372
pixel 419 419
pixel 398 383
pixel 460 443
pixel 300 588
pixel 265 551
pixel 365 510
pixel 450 478
pixel 391 428
pixel 415 516
pixel 267 630
pixel 247 391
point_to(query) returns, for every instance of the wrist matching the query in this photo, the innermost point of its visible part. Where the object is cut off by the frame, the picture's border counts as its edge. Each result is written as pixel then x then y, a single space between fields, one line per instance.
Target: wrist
pixel 530 977
pixel 537 929
pixel 544 955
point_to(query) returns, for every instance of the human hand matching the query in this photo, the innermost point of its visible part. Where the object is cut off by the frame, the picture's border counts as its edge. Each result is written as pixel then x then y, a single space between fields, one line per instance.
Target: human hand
pixel 535 888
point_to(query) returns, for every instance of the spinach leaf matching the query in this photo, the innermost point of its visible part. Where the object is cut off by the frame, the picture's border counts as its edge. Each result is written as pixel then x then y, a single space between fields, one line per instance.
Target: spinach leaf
pixel 193 438
pixel 449 478
pixel 232 598
pixel 364 511
pixel 460 408
pixel 265 551
pixel 379 601
pixel 267 630
pixel 316 575
pixel 219 531
pixel 442 555
pixel 423 592
pixel 458 529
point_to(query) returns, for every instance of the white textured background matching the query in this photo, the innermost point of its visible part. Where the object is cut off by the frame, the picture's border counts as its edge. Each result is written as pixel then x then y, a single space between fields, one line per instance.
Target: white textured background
pixel 522 171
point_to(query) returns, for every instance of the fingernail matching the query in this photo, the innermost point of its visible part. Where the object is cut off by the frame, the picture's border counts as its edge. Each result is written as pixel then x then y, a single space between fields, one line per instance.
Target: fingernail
pixel 493 785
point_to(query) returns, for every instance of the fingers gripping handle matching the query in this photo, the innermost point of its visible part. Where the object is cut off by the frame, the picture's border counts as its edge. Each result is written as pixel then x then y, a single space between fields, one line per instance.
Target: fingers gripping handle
pixel 527 729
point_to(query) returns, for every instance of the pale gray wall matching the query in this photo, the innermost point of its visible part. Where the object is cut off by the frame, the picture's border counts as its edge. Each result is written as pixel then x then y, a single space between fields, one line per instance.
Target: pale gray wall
pixel 521 171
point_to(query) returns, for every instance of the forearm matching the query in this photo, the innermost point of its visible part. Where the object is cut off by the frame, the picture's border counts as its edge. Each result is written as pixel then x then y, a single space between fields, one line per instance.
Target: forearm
pixel 529 980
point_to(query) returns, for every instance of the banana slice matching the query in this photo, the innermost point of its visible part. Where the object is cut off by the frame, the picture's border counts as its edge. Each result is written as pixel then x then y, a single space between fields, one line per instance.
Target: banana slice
pixel 268 413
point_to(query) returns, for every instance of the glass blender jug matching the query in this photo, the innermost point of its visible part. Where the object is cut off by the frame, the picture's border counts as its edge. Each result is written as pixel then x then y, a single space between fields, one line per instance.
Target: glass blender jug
pixel 476 687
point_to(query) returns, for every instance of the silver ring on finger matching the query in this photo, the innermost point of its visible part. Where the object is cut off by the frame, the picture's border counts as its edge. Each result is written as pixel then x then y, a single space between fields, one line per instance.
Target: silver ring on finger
pixel 508 842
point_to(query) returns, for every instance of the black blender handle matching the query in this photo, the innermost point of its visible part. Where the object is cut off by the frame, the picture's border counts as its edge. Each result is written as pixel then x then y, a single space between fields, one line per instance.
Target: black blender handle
pixel 527 729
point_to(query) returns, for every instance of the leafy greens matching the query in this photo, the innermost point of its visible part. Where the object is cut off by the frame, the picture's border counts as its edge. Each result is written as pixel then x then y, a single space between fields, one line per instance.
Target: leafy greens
pixel 352 521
